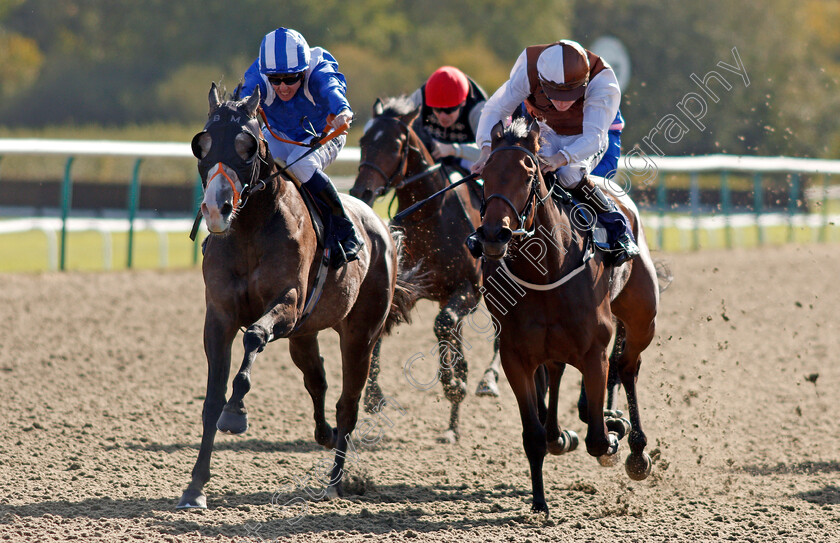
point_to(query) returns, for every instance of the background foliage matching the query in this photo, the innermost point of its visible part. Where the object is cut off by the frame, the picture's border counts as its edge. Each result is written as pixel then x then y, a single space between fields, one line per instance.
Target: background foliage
pixel 115 63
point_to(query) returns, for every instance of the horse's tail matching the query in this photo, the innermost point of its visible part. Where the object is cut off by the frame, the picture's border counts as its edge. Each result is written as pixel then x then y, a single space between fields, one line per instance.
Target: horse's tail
pixel 412 285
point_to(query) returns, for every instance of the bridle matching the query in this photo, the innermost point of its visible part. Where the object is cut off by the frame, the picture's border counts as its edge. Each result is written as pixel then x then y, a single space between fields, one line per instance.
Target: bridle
pixel 255 162
pixel 533 201
pixel 403 166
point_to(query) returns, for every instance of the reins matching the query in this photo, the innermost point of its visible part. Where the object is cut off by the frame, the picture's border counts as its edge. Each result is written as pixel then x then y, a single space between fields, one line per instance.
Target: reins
pixel 402 168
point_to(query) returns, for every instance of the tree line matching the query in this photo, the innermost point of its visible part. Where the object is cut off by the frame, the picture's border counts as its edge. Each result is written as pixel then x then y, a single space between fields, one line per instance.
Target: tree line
pixel 117 62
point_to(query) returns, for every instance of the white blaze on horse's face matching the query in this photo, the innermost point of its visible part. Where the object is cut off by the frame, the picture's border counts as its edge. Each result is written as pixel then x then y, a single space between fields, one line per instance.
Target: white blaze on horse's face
pixel 221 195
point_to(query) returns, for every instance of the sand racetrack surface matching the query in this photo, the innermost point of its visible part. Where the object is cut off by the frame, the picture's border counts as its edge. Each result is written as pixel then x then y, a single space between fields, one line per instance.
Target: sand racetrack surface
pixel 103 378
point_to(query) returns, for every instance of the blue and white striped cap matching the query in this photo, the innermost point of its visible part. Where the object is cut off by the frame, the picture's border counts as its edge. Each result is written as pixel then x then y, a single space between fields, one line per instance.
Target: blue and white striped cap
pixel 283 51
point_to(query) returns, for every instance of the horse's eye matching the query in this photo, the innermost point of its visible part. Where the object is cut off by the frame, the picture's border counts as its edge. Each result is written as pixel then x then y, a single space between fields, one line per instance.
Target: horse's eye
pixel 246 146
pixel 201 145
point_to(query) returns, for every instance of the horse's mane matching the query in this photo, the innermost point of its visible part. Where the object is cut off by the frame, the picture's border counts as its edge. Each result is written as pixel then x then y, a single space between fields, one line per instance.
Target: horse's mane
pixel 397 106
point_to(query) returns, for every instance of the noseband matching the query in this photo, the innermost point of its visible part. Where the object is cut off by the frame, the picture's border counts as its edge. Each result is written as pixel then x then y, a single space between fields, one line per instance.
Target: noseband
pixel 401 169
pixel 533 194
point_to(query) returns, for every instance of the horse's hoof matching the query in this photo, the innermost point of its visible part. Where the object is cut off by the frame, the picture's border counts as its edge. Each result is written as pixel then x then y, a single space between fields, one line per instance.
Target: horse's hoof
pixel 192 499
pixel 638 466
pixel 327 438
pixel 488 386
pixel 613 413
pixel 232 423
pixel 567 442
pixel 613 455
pixel 333 493
pixel 621 426
pixel 540 507
pixel 450 437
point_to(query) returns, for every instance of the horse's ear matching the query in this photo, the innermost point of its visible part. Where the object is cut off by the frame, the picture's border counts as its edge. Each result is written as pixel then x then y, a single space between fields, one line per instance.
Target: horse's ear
pixel 534 132
pixel 378 107
pixel 213 98
pixel 237 92
pixel 409 118
pixel 497 131
pixel 253 102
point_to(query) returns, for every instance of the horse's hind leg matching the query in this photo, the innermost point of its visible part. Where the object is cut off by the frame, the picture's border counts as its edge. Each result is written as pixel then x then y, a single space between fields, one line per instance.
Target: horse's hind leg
pixel 218 338
pixel 453 365
pixel 373 392
pixel 638 464
pixel 636 308
pixel 306 356
pixel 356 349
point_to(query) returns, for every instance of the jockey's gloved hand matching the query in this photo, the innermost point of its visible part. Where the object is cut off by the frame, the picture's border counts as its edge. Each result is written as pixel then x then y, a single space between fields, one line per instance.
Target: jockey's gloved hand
pixel 552 162
pixel 344 117
pixel 442 150
pixel 478 165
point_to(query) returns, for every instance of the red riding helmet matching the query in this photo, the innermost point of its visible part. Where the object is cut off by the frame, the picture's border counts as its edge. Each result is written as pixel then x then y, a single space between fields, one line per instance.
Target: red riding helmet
pixel 447 87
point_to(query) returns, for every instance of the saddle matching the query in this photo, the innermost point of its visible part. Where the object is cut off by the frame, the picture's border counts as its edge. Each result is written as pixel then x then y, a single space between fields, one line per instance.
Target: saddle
pixel 319 212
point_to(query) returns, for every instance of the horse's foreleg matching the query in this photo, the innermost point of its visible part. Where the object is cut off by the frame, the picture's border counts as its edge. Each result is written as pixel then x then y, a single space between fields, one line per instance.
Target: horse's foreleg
pixel 274 323
pixel 306 355
pixel 217 344
pixel 558 442
pixel 521 380
pixel 489 384
pixel 373 393
pixel 598 442
pixel 613 381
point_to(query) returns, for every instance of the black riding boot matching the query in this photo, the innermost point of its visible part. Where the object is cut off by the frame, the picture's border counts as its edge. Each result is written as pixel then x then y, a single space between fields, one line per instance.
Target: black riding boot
pixel 622 244
pixel 347 242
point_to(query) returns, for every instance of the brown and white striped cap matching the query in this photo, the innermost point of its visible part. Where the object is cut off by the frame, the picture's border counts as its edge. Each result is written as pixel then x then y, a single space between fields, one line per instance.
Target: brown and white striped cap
pixel 563 70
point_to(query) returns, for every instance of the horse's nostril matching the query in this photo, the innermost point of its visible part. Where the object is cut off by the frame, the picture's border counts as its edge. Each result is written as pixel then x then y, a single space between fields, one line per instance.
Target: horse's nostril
pixel 504 235
pixel 227 208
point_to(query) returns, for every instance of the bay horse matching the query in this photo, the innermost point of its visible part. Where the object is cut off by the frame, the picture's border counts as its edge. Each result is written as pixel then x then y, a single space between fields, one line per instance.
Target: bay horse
pixel 555 301
pixel 394 156
pixel 260 269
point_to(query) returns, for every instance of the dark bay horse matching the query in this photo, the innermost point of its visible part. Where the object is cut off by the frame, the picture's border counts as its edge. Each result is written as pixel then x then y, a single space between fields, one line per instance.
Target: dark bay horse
pixel 556 305
pixel 393 156
pixel 260 268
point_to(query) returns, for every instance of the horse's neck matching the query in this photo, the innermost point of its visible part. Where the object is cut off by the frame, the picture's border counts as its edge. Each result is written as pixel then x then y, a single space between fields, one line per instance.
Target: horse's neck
pixel 557 240
pixel 263 205
pixel 419 160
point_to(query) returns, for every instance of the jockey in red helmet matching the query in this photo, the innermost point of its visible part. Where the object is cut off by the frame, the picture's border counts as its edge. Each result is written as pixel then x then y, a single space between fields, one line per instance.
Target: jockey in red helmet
pixel 451 104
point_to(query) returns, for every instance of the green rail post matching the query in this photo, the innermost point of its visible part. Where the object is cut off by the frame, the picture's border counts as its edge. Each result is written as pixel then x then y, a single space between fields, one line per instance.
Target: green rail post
pixel 660 201
pixel 758 204
pixel 792 204
pixel 198 193
pixel 824 229
pixel 66 201
pixel 726 207
pixel 133 202
pixel 694 199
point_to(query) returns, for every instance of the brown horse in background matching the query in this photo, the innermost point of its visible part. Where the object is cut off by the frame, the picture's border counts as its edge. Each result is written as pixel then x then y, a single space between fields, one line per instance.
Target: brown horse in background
pixel 393 156
pixel 556 305
pixel 260 269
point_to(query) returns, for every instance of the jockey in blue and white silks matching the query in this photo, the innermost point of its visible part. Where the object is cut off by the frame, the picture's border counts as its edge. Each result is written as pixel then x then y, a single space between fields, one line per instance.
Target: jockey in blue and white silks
pixel 301 94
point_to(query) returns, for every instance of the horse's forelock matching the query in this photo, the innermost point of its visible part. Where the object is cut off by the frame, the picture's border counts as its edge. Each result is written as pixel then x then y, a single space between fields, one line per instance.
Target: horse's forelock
pixel 516 131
